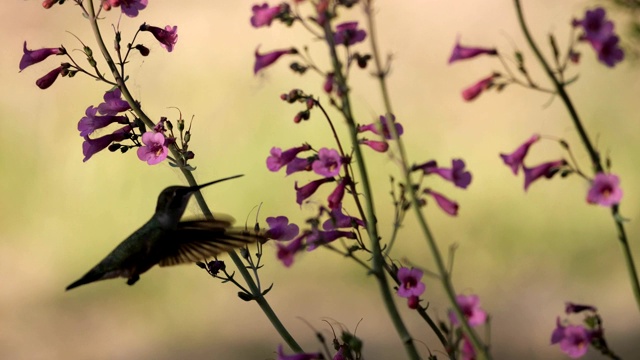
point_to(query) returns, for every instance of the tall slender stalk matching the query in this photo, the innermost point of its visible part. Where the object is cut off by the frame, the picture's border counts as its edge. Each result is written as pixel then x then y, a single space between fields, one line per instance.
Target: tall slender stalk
pixel 255 291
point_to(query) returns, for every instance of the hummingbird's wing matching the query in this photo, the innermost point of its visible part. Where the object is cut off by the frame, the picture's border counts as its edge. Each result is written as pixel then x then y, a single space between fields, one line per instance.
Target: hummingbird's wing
pixel 196 240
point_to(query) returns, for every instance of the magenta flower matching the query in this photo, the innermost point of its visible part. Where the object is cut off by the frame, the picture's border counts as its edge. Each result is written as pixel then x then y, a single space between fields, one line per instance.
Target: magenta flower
pixel 328 83
pixel 384 124
pixel 605 190
pixel 49 78
pixel 154 150
pixel 457 174
pixel 379 146
pixel 348 34
pixel 448 206
pixel 286 251
pixel 608 51
pixel 302 356
pixel 335 199
pixel 410 284
pixel 470 307
pixel 548 170
pixel 131 8
pixel 92 146
pixel 328 163
pixel 467 352
pixel 280 229
pixel 304 192
pixel 91 122
pixel 340 220
pixel 476 89
pixel 168 37
pixel 31 57
pixel 263 15
pixel 113 103
pixel 462 52
pixel 574 340
pixel 279 158
pixel 298 164
pixel 515 159
pixel 318 237
pixel 264 60
pixel 571 308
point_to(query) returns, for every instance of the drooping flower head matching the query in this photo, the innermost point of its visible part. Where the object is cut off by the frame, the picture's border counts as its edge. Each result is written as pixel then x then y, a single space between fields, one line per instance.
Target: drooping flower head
pixel 168 37
pixel 449 206
pixel 49 78
pixel 605 190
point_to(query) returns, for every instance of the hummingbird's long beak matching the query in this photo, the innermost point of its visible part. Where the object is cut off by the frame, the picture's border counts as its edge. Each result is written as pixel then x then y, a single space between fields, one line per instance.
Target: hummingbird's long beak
pixel 198 187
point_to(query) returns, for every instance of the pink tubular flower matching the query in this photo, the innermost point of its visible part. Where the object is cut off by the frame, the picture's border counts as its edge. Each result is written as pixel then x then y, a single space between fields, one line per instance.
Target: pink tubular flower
pixel 328 163
pixel 302 193
pixel 515 159
pixel 335 199
pixel 264 60
pixel 154 150
pixel 302 356
pixel 462 52
pixel 263 15
pixel 31 57
pixel 280 229
pixel 286 251
pixel 467 352
pixel 457 174
pixel 470 307
pixel 449 206
pixel 384 125
pixel 328 83
pixel 131 8
pixel 476 89
pixel 168 37
pixel 379 146
pixel 548 170
pixel 92 146
pixel 574 340
pixel 113 103
pixel 91 122
pixel 340 220
pixel 410 284
pixel 605 190
pixel 279 158
pixel 348 34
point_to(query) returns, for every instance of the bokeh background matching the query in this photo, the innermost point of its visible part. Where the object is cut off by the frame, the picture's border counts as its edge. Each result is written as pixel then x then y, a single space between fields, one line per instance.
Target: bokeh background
pixel 524 253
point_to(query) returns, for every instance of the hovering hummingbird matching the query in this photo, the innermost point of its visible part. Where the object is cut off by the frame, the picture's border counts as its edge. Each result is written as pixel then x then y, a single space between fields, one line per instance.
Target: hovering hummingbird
pixel 166 240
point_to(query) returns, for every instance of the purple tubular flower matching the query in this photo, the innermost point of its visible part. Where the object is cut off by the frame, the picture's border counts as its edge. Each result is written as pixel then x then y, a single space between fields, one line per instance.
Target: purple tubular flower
pixel 92 146
pixel 595 25
pixel 286 251
pixel 328 163
pixel 348 34
pixel 91 122
pixel 467 352
pixel 264 60
pixel 131 8
pixel 318 237
pixel 384 124
pixel 448 206
pixel 31 57
pixel 571 308
pixel 335 199
pixel 302 356
pixel 605 190
pixel 410 284
pixel 609 53
pixel 379 146
pixel 48 79
pixel 168 37
pixel 340 220
pixel 548 170
pixel 280 229
pixel 263 15
pixel 113 103
pixel 476 89
pixel 470 307
pixel 515 159
pixel 154 150
pixel 302 193
pixel 574 340
pixel 427 167
pixel 298 164
pixel 328 83
pixel 279 158
pixel 456 174
pixel 462 52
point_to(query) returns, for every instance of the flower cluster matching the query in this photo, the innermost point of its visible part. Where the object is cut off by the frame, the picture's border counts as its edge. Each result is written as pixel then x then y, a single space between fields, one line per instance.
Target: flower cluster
pixel 31 57
pixel 598 31
pixel 457 174
pixel 574 340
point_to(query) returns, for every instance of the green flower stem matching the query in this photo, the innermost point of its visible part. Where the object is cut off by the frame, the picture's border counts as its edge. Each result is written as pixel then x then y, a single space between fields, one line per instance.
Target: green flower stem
pixel 593 153
pixel 372 230
pixel 255 291
pixel 481 350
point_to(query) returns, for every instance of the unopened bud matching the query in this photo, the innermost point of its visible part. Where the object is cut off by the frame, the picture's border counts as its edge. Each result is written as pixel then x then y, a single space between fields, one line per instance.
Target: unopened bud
pixel 114 147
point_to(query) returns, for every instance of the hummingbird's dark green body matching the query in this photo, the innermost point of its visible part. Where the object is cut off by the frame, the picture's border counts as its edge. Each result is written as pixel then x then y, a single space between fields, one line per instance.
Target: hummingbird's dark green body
pixel 166 240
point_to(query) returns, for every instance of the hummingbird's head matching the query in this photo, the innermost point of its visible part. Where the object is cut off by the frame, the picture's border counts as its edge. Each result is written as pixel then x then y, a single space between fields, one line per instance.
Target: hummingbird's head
pixel 174 199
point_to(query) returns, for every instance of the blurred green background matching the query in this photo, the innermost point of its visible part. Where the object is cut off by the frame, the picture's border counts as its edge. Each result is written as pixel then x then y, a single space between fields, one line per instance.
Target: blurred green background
pixel 524 253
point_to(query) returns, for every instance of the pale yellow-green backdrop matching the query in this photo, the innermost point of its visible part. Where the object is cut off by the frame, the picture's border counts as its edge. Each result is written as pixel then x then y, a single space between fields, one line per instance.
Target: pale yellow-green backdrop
pixel 524 253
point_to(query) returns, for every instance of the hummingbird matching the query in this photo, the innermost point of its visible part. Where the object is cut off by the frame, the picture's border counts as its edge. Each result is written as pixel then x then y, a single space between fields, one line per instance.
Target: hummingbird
pixel 166 240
